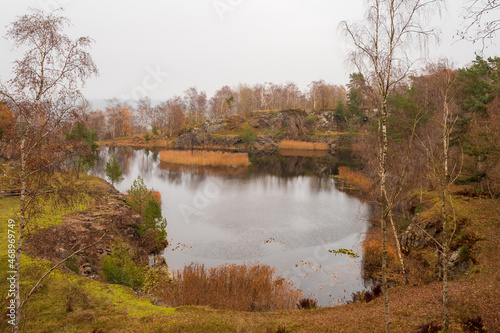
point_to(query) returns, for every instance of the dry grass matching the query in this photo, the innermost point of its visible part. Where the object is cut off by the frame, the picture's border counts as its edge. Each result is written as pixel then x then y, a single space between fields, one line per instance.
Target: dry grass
pixel 205 158
pixel 302 145
pixel 236 287
pixel 355 178
pixel 372 250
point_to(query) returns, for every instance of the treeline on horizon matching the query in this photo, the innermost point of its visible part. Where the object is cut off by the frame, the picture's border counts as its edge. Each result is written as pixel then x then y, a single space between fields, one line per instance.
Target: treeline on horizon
pixel 181 113
pixel 477 87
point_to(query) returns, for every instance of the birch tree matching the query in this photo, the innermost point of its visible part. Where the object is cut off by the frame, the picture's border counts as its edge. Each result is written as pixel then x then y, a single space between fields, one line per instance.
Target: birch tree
pixel 444 159
pixel 481 21
pixel 381 53
pixel 43 94
pixel 144 112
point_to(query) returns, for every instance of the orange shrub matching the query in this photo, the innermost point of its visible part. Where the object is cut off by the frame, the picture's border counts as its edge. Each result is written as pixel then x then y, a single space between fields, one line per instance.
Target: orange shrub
pixel 157 196
pixel 290 144
pixel 237 287
pixel 205 158
pixel 372 250
pixel 355 178
pixel 7 121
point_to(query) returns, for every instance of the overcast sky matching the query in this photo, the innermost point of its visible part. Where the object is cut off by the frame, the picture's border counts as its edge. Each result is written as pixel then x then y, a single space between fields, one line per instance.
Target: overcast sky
pixel 164 47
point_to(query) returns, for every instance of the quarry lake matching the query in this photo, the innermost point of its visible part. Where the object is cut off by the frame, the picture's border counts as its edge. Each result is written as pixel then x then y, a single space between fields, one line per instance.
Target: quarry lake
pixel 283 211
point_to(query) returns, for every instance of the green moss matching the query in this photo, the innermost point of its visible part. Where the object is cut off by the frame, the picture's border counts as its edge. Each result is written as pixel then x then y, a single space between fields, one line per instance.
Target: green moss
pixel 119 267
pixel 98 305
pixel 52 212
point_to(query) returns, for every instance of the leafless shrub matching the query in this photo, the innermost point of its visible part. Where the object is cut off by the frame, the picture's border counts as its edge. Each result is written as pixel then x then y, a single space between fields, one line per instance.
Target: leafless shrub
pixel 239 287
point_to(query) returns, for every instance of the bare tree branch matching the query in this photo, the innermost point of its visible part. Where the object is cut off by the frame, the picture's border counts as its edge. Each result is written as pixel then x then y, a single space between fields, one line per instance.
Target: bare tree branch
pixel 481 22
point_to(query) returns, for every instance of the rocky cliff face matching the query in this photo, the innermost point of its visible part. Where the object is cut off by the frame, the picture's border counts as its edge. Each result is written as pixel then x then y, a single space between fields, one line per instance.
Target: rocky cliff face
pixel 281 125
pixel 291 123
pixel 7 150
pixel 111 217
pixel 422 233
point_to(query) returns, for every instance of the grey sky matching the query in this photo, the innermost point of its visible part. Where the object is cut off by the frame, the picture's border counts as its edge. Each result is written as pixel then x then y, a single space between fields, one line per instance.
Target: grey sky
pixel 210 43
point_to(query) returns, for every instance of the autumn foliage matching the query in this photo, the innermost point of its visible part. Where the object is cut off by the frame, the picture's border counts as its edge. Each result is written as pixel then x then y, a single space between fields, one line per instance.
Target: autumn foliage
pixel 238 287
pixel 205 158
pixel 302 145
pixel 6 121
pixel 355 178
pixel 372 251
pixel 157 196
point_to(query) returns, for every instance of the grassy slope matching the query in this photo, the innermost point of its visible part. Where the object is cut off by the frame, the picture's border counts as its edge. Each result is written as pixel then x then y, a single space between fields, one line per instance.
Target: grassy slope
pixel 69 303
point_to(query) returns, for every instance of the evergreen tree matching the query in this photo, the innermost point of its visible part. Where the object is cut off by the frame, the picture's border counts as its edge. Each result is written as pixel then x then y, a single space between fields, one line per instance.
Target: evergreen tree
pixel 83 145
pixel 248 135
pixel 113 171
pixel 340 109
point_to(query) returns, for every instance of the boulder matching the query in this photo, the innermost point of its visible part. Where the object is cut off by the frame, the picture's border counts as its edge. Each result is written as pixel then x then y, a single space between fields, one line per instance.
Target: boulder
pixel 266 143
pixel 213 126
pixel 187 141
pixel 294 125
pixel 6 150
pixel 412 237
pixel 226 141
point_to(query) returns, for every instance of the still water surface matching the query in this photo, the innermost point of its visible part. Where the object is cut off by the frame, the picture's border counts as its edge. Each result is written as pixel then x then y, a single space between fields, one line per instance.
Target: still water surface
pixel 283 211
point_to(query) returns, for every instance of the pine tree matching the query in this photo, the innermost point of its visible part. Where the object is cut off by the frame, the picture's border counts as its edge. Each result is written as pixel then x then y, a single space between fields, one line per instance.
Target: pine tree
pixel 113 171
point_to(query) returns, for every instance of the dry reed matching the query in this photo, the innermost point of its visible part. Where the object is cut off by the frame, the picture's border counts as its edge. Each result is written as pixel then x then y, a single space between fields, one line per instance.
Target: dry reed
pixel 237 287
pixel 355 179
pixel 302 145
pixel 205 158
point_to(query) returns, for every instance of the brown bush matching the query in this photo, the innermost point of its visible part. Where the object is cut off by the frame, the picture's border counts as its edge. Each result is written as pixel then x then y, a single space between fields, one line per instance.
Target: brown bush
pixel 157 196
pixel 307 304
pixel 237 287
pixel 372 250
pixel 205 158
pixel 355 178
pixel 301 145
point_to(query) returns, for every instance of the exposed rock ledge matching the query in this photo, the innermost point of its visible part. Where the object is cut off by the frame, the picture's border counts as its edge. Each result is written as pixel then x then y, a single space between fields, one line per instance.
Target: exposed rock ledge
pixel 111 215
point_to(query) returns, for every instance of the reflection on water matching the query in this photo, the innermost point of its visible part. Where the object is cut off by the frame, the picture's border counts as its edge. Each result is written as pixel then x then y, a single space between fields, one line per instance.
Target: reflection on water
pixel 303 153
pixel 181 168
pixel 216 217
